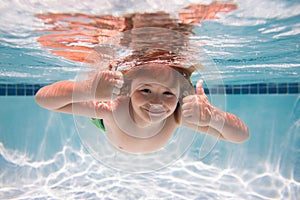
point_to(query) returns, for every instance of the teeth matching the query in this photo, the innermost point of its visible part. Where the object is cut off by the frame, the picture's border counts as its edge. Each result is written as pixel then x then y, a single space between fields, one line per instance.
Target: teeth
pixel 156 109
pixel 155 106
pixel 157 112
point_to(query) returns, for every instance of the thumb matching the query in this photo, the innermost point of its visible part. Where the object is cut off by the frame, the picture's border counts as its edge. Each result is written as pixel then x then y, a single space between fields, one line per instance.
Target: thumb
pixel 199 88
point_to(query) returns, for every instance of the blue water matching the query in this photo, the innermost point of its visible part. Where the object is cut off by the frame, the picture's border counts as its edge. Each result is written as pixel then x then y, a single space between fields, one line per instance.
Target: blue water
pixel 41 154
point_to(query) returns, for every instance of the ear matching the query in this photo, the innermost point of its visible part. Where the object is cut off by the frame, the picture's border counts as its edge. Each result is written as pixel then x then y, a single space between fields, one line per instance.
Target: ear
pixel 191 69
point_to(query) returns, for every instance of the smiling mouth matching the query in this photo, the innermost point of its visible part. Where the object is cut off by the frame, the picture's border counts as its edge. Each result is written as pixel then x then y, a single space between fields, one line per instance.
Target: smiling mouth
pixel 156 111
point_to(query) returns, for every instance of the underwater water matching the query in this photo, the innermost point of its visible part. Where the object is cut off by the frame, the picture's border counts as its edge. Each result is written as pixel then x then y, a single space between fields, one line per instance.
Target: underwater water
pixel 256 52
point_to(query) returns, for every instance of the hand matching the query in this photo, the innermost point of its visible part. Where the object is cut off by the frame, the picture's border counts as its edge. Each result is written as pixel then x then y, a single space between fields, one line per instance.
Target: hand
pixel 106 85
pixel 196 109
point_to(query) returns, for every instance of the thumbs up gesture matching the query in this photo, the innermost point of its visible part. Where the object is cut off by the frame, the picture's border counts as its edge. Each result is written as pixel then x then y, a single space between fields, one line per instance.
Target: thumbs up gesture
pixel 196 109
pixel 105 84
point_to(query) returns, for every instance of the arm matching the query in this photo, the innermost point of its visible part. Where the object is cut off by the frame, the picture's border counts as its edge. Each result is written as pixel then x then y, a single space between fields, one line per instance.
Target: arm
pixel 64 96
pixel 196 13
pixel 73 35
pixel 229 126
pixel 59 94
pixel 200 115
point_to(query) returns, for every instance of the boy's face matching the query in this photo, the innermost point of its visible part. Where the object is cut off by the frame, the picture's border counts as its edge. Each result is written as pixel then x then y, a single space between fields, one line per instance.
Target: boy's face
pixel 154 94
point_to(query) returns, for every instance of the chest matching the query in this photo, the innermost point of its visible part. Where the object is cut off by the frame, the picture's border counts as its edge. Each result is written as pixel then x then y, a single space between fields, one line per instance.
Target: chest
pixel 135 140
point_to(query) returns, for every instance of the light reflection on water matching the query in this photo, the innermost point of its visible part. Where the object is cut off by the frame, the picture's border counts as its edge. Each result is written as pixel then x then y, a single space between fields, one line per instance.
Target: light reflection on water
pixel 246 37
pixel 75 174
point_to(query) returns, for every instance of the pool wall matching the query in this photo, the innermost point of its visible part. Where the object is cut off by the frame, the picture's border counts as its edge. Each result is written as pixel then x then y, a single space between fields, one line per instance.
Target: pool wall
pixel 36 143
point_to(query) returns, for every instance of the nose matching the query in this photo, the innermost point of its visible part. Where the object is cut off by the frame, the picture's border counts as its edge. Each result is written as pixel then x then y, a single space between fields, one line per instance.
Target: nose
pixel 155 100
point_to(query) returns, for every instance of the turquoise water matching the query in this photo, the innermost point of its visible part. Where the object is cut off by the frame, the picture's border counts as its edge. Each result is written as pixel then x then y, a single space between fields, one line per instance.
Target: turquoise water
pixel 42 157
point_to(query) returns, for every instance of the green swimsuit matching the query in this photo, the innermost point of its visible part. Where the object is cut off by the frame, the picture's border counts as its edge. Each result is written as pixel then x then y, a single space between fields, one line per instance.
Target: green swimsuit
pixel 99 123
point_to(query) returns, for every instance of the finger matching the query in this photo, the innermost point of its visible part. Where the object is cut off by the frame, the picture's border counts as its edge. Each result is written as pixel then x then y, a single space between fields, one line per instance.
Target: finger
pixel 186 106
pixel 187 113
pixel 190 120
pixel 118 75
pixel 115 82
pixel 188 98
pixel 112 74
pixel 199 88
pixel 118 83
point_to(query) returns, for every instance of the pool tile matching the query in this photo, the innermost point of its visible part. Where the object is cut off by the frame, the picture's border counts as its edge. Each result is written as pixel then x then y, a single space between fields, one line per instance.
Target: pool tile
pixel 244 89
pixel 2 89
pixel 20 89
pixel 262 88
pixel 29 90
pixel 221 89
pixel 229 89
pixel 11 90
pixel 213 90
pixel 237 89
pixel 272 88
pixel 282 88
pixel 293 88
pixel 253 88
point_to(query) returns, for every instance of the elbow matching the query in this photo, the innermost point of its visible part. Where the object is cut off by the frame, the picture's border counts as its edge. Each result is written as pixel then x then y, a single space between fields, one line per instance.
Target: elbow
pixel 242 137
pixel 246 134
pixel 40 100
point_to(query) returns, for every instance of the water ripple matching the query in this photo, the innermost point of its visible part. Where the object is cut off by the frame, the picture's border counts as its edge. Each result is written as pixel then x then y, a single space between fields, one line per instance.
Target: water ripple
pixel 74 174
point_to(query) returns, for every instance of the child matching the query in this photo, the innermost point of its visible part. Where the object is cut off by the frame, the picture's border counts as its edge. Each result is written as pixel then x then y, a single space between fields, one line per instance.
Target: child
pixel 141 109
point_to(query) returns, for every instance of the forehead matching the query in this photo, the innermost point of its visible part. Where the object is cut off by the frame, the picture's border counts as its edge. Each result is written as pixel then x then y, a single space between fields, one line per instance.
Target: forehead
pixel 156 73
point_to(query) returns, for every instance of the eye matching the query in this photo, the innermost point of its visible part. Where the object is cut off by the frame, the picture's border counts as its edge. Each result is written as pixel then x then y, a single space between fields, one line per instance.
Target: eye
pixel 168 93
pixel 146 91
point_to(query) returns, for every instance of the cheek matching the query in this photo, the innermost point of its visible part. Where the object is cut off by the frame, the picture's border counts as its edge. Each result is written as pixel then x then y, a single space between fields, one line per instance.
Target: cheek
pixel 138 99
pixel 172 103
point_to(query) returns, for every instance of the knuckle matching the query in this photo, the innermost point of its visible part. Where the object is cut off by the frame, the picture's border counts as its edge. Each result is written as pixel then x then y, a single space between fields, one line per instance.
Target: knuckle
pixel 104 73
